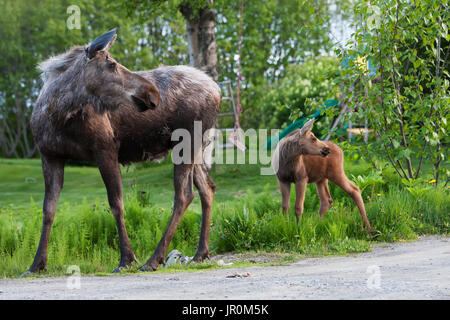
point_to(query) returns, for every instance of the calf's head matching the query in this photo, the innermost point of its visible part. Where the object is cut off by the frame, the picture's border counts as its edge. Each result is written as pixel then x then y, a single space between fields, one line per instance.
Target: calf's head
pixel 111 82
pixel 308 142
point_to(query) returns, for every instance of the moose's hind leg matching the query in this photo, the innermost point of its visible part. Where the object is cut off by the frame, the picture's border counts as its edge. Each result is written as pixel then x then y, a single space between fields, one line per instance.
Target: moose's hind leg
pixel 324 196
pixel 53 170
pixel 353 191
pixel 206 189
pixel 184 194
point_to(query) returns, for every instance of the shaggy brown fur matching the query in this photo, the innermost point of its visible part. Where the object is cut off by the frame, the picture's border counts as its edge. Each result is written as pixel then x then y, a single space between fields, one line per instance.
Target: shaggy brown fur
pixel 302 160
pixel 92 108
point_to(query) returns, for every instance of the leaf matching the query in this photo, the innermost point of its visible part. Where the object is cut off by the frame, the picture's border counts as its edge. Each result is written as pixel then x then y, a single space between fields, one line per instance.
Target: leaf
pixel 395 143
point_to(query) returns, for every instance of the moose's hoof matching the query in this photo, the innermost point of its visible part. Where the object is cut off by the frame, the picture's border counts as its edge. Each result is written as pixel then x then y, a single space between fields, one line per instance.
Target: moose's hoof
pixel 151 264
pixel 27 274
pixel 31 273
pixel 374 233
pixel 125 265
pixel 119 269
pixel 201 256
pixel 34 270
pixel 147 268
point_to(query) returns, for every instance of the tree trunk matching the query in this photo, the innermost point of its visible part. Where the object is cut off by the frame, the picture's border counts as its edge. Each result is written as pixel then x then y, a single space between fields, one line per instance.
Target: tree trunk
pixel 201 39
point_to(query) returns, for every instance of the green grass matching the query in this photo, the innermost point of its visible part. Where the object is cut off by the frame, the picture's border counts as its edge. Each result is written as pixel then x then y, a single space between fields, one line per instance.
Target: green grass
pixel 246 216
pixel 21 180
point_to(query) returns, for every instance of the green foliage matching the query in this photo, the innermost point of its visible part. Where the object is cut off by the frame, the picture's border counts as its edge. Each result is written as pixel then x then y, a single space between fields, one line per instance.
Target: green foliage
pixel 300 93
pixel 417 187
pixel 364 181
pixel 251 224
pixel 371 179
pixel 407 101
pixel 262 59
pixel 276 35
pixel 84 233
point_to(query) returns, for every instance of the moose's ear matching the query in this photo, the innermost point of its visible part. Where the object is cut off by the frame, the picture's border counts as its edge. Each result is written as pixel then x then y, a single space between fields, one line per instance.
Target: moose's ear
pixel 307 127
pixel 146 98
pixel 104 42
pixel 110 43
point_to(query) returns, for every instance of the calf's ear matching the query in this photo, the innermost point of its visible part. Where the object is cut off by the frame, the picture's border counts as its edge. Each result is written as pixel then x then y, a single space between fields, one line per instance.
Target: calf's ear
pixel 307 127
pixel 147 98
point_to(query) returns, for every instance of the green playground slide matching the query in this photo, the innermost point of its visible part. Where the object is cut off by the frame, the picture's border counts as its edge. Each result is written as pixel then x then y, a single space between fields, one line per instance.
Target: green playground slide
pixel 299 123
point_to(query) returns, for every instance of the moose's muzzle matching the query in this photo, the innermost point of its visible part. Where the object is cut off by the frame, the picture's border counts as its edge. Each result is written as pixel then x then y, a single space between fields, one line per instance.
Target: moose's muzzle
pixel 325 151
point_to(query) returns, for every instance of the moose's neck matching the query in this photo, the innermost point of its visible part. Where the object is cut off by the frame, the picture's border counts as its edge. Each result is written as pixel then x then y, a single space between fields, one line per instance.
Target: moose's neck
pixel 290 149
pixel 65 94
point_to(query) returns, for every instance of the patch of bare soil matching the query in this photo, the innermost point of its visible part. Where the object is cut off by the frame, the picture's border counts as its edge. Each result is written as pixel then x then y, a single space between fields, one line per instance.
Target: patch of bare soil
pixel 256 257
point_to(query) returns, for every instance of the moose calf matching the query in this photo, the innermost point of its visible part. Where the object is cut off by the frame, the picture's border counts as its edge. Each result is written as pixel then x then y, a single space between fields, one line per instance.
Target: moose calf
pixel 301 158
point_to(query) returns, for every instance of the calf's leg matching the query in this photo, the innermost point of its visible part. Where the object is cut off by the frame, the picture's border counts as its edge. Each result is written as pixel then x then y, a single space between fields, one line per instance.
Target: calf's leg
pixel 300 190
pixel 285 189
pixel 53 170
pixel 324 196
pixel 353 191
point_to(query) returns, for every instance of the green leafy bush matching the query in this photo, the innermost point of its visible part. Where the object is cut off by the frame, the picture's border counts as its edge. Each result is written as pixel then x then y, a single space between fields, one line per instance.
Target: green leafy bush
pixel 300 93
pixel 245 225
pixel 405 96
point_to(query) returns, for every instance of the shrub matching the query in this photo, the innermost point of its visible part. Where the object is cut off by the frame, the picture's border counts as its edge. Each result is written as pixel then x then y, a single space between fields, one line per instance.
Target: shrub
pixel 300 93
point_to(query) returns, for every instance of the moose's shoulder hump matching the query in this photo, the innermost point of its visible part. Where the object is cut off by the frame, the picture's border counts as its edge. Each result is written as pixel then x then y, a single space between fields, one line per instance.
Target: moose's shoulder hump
pixel 180 76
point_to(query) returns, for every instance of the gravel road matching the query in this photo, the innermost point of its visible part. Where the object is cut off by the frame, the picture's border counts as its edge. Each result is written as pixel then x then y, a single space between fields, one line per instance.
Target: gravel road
pixel 407 270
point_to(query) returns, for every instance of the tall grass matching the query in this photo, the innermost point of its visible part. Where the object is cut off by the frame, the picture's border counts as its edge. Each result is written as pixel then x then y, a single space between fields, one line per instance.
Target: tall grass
pixel 85 234
pixel 256 223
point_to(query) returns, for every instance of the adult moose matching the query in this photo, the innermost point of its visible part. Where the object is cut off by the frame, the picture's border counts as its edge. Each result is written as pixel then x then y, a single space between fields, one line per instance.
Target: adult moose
pixel 301 158
pixel 92 108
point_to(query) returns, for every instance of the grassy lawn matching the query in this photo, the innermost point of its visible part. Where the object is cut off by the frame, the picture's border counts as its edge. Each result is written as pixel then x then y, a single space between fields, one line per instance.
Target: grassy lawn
pixel 246 216
pixel 21 180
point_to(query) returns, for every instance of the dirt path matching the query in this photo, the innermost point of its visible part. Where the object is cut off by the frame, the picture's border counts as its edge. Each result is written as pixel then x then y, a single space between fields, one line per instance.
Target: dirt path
pixel 411 270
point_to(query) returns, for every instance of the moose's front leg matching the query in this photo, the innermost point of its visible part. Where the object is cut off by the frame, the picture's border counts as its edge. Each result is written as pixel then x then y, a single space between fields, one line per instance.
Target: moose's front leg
pixel 110 170
pixel 285 189
pixel 53 170
pixel 300 190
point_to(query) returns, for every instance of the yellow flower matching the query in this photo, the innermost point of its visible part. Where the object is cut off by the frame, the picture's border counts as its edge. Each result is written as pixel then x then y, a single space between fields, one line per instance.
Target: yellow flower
pixel 162 209
pixel 379 194
pixel 361 62
pixel 432 181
